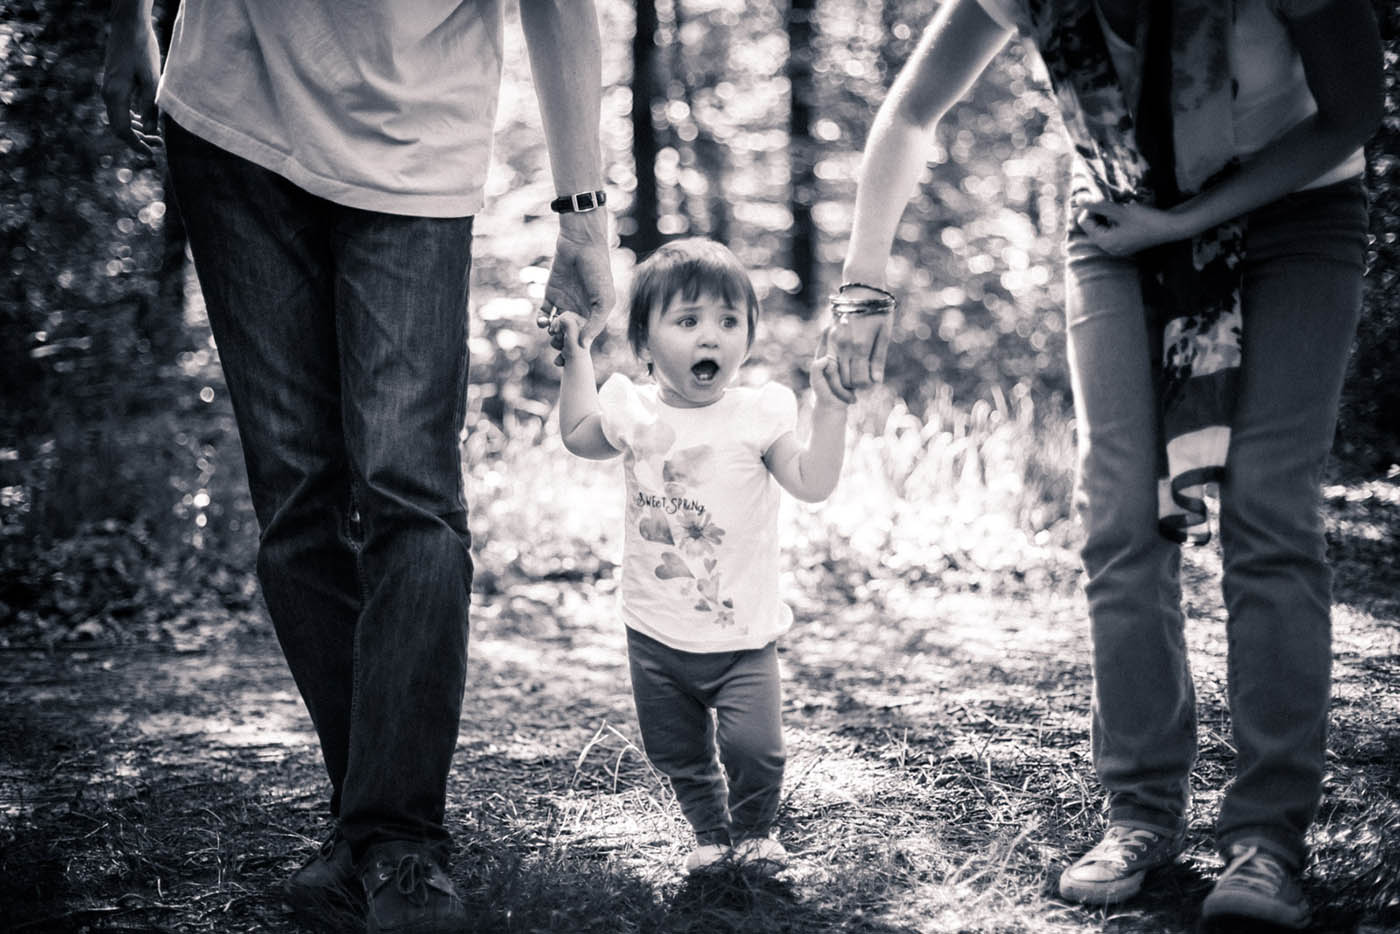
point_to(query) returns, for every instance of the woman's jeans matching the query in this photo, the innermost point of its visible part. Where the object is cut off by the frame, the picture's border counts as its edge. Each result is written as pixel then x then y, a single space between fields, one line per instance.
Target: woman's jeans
pixel 674 692
pixel 343 338
pixel 1301 297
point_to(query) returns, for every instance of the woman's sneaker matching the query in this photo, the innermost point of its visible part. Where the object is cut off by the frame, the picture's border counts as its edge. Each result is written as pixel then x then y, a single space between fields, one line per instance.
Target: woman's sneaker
pixel 1259 886
pixel 1114 869
pixel 706 857
pixel 761 855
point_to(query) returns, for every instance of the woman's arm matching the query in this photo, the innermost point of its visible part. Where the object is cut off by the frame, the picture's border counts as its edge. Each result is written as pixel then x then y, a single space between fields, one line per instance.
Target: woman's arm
pixel 1340 47
pixel 954 50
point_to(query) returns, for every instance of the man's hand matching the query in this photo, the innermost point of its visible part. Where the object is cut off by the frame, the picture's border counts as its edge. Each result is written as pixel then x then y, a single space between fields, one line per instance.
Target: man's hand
pixel 1125 229
pixel 130 74
pixel 580 278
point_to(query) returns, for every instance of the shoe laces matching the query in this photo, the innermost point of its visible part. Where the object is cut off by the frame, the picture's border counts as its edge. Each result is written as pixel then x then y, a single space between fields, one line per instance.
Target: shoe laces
pixel 1256 870
pixel 411 877
pixel 1119 842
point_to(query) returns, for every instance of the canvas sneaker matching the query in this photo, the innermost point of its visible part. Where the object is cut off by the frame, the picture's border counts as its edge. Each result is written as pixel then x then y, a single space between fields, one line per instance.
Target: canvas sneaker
pixel 761 855
pixel 1259 886
pixel 324 892
pixel 1114 869
pixel 706 857
pixel 408 892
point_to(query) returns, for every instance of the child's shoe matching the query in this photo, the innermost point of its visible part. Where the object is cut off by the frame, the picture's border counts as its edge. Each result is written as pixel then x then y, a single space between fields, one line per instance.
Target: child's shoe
pixel 761 855
pixel 705 857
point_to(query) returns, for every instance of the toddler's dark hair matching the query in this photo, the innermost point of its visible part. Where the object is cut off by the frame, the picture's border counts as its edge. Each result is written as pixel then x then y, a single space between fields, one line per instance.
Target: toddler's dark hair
pixel 691 268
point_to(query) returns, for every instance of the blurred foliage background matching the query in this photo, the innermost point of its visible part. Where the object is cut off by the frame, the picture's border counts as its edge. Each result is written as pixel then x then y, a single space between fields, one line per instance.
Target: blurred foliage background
pixel 737 120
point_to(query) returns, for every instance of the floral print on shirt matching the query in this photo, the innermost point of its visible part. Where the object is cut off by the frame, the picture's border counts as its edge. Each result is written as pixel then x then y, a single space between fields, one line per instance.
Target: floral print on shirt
pixel 680 524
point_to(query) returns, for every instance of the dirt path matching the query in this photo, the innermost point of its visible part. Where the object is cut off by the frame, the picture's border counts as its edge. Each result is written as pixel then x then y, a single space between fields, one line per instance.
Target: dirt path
pixel 938 774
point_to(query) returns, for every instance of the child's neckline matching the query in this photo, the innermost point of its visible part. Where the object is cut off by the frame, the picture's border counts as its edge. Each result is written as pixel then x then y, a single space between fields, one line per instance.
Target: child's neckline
pixel 661 398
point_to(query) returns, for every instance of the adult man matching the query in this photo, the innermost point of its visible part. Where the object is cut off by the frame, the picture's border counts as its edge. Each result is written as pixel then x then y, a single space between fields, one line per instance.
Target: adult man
pixel 327 158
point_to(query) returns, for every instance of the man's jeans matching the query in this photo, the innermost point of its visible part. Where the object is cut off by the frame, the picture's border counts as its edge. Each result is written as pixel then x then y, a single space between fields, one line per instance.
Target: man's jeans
pixel 1302 293
pixel 343 338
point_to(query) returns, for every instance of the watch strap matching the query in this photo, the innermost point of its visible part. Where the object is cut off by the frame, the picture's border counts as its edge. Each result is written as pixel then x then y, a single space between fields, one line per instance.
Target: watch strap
pixel 579 203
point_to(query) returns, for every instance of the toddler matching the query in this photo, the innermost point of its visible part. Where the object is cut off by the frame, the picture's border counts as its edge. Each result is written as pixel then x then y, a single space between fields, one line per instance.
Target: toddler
pixel 703 460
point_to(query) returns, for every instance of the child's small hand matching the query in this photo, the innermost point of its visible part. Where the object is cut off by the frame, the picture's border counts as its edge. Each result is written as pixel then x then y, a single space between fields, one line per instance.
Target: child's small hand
pixel 564 330
pixel 824 375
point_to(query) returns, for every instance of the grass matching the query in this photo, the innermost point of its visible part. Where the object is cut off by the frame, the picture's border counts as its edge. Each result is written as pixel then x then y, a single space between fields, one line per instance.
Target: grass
pixel 936 713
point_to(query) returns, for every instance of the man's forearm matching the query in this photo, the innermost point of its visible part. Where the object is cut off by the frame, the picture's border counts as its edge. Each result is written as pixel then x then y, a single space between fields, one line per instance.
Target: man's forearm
pixel 567 64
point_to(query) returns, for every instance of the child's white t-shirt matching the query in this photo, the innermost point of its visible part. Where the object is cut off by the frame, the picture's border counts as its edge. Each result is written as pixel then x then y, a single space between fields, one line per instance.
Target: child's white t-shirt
pixel 700 553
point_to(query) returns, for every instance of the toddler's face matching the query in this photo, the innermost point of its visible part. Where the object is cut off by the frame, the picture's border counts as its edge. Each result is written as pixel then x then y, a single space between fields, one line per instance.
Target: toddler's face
pixel 695 348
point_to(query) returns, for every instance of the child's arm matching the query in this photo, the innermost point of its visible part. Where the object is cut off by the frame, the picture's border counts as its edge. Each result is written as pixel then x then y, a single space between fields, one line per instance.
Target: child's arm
pixel 580 417
pixel 810 472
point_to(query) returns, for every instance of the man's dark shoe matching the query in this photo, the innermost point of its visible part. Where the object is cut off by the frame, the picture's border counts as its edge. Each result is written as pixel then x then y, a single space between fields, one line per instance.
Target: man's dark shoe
pixel 324 893
pixel 407 892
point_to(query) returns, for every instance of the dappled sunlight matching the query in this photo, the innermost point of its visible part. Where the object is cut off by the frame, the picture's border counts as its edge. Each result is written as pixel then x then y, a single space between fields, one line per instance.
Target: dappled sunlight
pixel 635 825
pixel 818 776
pixel 285 726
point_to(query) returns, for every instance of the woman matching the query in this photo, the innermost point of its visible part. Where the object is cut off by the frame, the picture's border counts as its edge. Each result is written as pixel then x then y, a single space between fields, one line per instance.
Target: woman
pixel 1213 285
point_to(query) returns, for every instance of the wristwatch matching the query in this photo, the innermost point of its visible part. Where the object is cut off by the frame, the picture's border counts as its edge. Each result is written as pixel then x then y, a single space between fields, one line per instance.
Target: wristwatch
pixel 580 203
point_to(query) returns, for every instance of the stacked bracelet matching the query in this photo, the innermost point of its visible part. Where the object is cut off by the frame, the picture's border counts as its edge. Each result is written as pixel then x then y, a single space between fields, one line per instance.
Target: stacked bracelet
pixel 843 306
pixel 867 287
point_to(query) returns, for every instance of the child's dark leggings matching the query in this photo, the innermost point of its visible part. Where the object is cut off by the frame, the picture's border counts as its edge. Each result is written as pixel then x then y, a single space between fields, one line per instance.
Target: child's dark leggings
pixel 675 692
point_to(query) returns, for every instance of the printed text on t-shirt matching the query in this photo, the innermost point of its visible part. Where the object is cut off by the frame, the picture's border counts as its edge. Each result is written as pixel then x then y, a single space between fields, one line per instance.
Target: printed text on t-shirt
pixel 670 505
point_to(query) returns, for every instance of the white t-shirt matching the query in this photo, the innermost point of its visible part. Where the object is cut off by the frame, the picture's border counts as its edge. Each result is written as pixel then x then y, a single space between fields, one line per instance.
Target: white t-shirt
pixel 384 106
pixel 700 551
pixel 1272 94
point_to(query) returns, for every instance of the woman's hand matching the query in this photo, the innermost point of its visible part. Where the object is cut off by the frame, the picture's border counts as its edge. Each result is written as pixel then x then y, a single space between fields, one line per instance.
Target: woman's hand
pixel 859 344
pixel 1125 229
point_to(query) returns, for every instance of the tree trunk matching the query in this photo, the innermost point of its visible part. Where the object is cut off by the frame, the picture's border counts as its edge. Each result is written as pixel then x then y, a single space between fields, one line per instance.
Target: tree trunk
pixel 643 236
pixel 703 68
pixel 801 152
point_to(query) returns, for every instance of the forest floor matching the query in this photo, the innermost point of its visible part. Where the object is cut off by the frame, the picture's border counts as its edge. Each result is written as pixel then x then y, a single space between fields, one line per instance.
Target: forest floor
pixel 939 771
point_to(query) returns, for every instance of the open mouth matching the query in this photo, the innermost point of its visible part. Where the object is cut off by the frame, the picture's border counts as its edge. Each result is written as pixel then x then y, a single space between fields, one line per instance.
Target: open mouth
pixel 705 370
